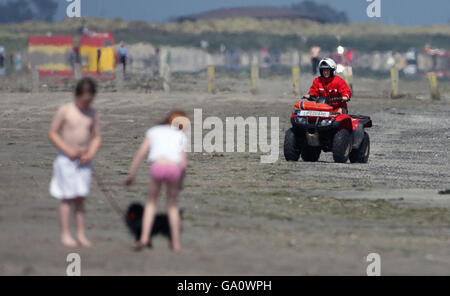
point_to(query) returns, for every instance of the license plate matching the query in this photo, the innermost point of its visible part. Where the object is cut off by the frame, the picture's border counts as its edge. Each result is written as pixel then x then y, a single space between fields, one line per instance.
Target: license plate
pixel 314 113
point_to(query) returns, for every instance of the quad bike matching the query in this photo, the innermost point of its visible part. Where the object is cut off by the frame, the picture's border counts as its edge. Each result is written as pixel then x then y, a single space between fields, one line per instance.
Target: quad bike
pixel 317 127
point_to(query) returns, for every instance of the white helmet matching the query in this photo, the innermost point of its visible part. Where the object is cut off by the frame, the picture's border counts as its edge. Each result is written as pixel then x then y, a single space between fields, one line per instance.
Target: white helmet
pixel 327 64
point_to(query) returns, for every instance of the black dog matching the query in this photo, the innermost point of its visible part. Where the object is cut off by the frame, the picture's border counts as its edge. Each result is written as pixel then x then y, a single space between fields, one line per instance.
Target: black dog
pixel 133 220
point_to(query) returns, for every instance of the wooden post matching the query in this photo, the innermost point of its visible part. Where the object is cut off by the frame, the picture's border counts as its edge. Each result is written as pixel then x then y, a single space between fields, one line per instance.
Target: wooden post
pixel 254 75
pixel 296 72
pixel 296 79
pixel 435 95
pixel 35 79
pixel 394 81
pixel 211 74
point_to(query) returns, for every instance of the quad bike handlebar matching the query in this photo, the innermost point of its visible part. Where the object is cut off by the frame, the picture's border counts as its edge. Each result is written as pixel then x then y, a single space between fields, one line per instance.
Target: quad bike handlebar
pixel 337 100
pixel 323 99
pixel 311 98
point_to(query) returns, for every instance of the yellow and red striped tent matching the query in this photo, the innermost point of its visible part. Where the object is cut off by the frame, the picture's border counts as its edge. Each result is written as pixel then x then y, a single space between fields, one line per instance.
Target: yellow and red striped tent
pixel 97 53
pixel 51 54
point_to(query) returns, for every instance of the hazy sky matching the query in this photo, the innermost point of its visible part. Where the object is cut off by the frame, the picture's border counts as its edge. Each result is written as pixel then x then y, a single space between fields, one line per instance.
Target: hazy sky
pixel 404 12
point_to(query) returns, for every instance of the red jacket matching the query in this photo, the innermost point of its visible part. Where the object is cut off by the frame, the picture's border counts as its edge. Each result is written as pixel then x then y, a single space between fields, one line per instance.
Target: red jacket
pixel 333 87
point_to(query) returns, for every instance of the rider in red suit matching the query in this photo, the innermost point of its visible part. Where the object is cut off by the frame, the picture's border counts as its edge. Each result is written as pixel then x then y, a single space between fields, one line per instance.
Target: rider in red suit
pixel 331 86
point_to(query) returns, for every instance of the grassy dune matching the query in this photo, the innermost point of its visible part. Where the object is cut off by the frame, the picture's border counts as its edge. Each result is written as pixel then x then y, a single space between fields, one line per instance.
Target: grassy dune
pixel 301 28
pixel 244 33
pixel 239 25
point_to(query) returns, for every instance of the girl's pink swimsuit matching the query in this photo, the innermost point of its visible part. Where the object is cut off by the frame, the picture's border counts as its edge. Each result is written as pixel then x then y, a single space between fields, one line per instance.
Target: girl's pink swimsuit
pixel 166 172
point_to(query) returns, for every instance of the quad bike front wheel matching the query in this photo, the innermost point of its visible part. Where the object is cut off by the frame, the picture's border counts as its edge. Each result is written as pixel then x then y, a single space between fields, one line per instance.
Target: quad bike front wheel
pixel 291 146
pixel 341 146
pixel 361 154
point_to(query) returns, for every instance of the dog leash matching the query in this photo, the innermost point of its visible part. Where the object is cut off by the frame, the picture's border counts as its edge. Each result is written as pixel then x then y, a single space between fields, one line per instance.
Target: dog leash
pixel 112 202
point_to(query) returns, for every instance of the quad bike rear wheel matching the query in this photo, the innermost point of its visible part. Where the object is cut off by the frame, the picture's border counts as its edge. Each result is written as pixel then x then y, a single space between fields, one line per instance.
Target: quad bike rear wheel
pixel 361 154
pixel 311 154
pixel 292 148
pixel 341 146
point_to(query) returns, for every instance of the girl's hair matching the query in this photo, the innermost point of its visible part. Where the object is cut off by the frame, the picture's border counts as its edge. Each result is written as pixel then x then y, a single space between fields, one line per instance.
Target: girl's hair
pixel 174 114
pixel 85 85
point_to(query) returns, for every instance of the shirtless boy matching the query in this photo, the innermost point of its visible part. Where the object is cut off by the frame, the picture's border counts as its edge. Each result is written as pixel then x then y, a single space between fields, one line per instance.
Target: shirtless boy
pixel 75 132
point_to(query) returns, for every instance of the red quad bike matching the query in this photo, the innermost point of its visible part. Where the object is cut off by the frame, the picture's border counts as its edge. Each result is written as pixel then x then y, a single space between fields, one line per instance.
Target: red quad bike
pixel 317 127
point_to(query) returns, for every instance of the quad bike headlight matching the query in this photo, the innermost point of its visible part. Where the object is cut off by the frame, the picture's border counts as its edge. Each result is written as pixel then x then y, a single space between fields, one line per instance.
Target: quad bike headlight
pixel 325 122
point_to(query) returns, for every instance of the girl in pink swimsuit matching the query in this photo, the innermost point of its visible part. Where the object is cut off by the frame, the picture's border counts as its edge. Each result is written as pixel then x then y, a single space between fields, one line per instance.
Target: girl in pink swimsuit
pixel 164 147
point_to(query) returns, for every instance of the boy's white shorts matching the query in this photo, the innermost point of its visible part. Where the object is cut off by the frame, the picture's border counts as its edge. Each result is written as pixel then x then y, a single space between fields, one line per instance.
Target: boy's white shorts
pixel 70 179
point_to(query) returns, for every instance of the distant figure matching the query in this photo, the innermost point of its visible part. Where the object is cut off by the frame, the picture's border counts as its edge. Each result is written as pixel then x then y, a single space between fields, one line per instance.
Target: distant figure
pixel 2 57
pixel 2 60
pixel 266 58
pixel 156 64
pixel 99 56
pixel 75 131
pixel 73 58
pixel 315 58
pixel 123 55
pixel 411 67
pixel 164 148
pixel 350 57
pixel 76 49
pixel 18 61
